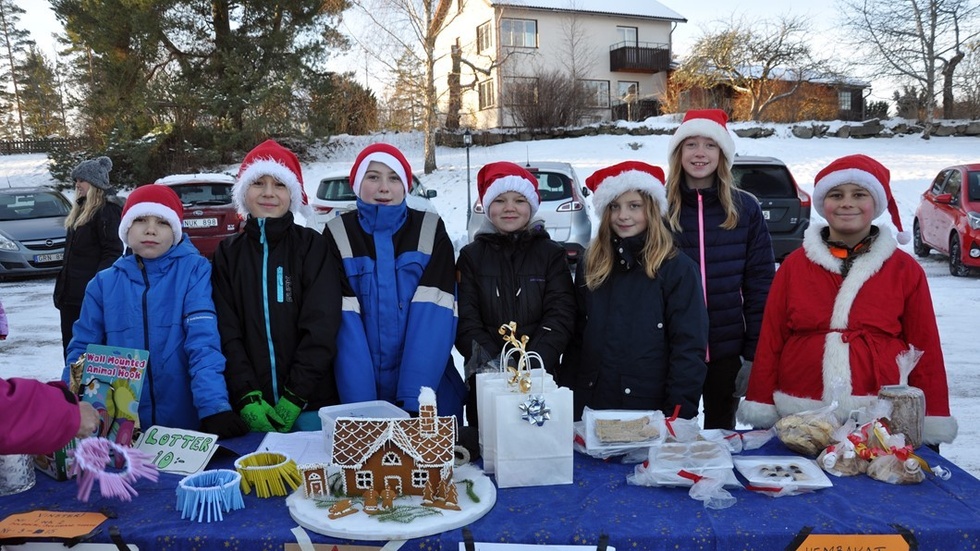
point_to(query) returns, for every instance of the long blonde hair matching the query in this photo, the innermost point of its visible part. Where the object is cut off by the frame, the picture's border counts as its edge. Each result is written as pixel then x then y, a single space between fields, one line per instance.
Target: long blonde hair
pixel 726 190
pixel 659 246
pixel 83 211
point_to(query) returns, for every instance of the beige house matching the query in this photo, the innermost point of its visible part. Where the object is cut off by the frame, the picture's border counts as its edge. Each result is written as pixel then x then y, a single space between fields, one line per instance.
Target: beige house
pixel 620 50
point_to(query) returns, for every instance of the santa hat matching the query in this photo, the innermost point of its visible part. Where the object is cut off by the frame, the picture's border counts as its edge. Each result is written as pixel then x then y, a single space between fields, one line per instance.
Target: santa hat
pixel 611 182
pixel 501 177
pixel 153 200
pixel 271 159
pixel 867 173
pixel 385 154
pixel 707 123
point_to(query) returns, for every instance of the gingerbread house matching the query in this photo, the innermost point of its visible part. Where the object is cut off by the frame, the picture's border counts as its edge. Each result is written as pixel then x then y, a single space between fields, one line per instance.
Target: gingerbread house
pixel 315 482
pixel 409 456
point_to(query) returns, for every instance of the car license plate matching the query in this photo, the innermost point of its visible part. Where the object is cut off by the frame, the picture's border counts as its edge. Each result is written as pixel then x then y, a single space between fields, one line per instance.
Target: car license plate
pixel 200 222
pixel 44 258
pixel 765 214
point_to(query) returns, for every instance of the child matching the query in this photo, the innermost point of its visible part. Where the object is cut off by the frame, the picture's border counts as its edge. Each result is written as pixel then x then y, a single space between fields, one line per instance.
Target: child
pixel 641 326
pixel 512 271
pixel 158 298
pixel 842 308
pixel 399 307
pixel 723 230
pixel 278 299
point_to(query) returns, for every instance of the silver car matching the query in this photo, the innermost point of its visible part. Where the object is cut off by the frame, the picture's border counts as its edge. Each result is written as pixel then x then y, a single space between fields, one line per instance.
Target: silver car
pixel 32 231
pixel 563 208
pixel 334 197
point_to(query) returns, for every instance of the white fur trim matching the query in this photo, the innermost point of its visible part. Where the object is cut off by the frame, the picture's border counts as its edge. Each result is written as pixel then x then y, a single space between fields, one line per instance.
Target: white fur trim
pixel 613 187
pixel 386 159
pixel 854 176
pixel 757 415
pixel 279 171
pixel 708 129
pixel 147 208
pixel 512 183
pixel 939 430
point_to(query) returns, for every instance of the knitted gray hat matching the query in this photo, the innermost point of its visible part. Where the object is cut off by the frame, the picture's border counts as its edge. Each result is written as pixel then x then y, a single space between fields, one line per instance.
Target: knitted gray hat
pixel 94 171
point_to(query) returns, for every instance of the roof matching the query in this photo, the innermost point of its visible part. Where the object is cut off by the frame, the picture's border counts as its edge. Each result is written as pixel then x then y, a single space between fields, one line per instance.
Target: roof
pixel 355 440
pixel 630 8
pixel 202 177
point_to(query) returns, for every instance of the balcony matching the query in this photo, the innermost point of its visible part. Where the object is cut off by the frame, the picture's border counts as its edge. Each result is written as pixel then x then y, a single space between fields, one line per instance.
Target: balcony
pixel 639 57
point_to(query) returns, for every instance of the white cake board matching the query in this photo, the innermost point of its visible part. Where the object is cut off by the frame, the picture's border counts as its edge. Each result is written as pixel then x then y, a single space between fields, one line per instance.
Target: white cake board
pixel 362 526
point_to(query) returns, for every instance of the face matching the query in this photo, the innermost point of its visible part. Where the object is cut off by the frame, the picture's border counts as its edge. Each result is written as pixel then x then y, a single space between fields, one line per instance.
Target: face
pixel 699 159
pixel 150 236
pixel 81 188
pixel 509 212
pixel 267 198
pixel 627 214
pixel 849 209
pixel 381 185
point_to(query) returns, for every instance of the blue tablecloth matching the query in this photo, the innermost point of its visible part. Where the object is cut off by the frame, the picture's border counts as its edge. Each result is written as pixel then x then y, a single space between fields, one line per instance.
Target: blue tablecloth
pixel 939 514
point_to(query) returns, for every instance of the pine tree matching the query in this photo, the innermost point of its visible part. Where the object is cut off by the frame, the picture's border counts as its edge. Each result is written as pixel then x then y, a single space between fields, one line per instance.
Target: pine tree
pixel 40 97
pixel 15 42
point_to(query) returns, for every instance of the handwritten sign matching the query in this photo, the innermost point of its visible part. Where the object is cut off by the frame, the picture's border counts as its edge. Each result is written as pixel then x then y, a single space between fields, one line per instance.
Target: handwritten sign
pixel 856 542
pixel 49 524
pixel 178 451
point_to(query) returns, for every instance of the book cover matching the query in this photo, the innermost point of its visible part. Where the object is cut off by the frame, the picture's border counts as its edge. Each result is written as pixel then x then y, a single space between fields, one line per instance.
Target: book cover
pixel 112 381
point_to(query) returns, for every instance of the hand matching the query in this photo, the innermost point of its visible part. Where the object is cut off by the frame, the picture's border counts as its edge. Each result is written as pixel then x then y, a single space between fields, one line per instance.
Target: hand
pixel 226 424
pixel 258 414
pixel 90 420
pixel 742 379
pixel 288 412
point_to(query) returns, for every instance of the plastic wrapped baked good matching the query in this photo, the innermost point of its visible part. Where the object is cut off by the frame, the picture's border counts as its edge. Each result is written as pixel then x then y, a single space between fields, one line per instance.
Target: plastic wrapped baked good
pixel 808 432
pixel 891 469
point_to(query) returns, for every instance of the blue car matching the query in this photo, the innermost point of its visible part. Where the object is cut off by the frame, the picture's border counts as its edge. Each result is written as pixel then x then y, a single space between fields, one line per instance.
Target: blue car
pixel 32 231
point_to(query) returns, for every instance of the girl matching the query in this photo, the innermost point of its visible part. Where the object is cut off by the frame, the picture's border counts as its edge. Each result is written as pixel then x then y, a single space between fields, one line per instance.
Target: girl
pixel 722 229
pixel 92 241
pixel 512 271
pixel 843 307
pixel 641 325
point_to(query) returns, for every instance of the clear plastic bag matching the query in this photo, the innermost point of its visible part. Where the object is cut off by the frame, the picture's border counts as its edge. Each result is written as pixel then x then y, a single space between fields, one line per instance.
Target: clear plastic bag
pixel 809 432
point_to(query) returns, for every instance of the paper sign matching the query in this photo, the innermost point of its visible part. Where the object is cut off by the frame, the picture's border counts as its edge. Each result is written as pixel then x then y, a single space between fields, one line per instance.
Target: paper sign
pixel 328 547
pixel 178 451
pixel 878 542
pixel 302 446
pixel 48 546
pixel 49 524
pixel 482 546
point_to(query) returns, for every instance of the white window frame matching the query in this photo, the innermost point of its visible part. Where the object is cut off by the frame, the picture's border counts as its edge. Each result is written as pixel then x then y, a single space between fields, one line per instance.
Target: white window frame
pixel 486 93
pixel 624 35
pixel 844 100
pixel 484 37
pixel 515 33
pixel 598 93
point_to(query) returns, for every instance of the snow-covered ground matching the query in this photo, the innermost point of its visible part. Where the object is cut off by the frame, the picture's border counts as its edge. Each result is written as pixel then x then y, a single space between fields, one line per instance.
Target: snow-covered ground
pixel 34 348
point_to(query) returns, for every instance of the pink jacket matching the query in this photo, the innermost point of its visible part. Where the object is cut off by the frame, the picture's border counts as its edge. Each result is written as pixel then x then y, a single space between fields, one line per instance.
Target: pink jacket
pixel 35 417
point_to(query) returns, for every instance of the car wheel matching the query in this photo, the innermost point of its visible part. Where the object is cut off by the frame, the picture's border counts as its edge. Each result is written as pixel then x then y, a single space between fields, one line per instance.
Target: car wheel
pixel 921 249
pixel 956 266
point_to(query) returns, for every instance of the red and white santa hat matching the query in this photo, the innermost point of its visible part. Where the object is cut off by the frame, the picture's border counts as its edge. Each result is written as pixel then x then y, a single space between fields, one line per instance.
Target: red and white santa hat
pixel 271 159
pixel 611 182
pixel 707 123
pixel 867 173
pixel 503 176
pixel 152 200
pixel 385 154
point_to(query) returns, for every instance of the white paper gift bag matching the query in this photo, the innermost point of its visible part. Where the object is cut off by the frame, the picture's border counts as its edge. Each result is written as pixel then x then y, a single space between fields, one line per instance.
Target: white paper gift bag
pixel 529 454
pixel 489 385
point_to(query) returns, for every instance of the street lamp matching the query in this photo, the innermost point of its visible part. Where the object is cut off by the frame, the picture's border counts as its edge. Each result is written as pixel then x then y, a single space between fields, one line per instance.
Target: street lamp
pixel 467 143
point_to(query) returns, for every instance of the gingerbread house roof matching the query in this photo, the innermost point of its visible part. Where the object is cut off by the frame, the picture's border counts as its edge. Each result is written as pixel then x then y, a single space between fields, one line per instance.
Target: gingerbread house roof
pixel 357 439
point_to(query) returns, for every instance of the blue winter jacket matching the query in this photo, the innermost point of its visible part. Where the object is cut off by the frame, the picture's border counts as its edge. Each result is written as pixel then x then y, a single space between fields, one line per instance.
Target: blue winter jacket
pixel 162 305
pixel 398 320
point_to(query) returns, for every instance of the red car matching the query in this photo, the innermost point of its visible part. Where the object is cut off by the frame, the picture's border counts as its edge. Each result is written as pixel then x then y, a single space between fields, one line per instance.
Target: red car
pixel 948 218
pixel 209 214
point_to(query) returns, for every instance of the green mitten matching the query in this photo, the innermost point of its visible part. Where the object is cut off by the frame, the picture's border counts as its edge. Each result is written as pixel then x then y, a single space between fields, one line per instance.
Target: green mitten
pixel 259 415
pixel 289 407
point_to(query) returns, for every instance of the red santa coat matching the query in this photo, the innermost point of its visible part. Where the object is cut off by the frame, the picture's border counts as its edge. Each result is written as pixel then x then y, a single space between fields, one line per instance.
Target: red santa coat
pixel 826 338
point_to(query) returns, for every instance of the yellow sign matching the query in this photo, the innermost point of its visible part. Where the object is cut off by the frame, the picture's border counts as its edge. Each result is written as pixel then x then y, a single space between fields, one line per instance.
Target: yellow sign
pixel 854 542
pixel 50 524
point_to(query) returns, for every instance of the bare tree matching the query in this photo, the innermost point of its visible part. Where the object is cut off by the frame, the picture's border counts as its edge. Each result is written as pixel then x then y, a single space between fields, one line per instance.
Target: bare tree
pixel 968 82
pixel 915 41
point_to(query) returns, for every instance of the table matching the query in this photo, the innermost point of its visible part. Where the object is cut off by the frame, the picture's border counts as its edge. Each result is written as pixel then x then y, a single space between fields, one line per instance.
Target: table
pixel 939 514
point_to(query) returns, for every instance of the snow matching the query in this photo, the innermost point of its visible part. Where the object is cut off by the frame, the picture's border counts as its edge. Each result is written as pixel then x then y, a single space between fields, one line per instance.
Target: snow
pixel 33 348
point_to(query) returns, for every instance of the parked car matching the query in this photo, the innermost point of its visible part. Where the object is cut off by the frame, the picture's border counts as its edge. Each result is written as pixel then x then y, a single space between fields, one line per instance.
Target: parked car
pixel 32 231
pixel 785 206
pixel 334 197
pixel 948 218
pixel 562 207
pixel 209 213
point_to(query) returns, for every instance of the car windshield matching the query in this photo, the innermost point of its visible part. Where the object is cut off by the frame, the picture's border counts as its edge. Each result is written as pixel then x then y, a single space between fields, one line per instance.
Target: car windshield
pixel 204 194
pixel 553 186
pixel 764 181
pixel 32 205
pixel 335 189
pixel 974 186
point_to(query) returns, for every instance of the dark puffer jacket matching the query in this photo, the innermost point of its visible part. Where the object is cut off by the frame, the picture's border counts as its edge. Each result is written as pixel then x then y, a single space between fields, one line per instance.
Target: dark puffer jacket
pixel 739 267
pixel 522 277
pixel 89 249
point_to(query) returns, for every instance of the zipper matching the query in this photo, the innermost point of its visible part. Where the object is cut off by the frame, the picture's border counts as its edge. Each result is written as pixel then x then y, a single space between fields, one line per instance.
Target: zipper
pixel 265 307
pixel 146 341
pixel 704 270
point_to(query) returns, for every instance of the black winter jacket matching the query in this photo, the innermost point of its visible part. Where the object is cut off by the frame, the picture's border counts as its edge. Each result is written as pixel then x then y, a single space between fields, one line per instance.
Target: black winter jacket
pixel 739 267
pixel 639 343
pixel 89 249
pixel 522 277
pixel 294 292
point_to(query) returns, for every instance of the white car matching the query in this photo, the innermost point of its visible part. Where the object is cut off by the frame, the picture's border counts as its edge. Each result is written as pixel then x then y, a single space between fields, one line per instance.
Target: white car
pixel 334 197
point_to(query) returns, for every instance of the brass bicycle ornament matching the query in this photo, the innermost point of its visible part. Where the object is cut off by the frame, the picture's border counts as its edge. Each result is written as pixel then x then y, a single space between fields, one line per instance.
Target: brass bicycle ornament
pixel 534 410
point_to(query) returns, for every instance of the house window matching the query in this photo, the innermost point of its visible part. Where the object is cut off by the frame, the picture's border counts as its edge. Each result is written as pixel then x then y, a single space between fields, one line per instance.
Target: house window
pixel 484 37
pixel 391 458
pixel 627 35
pixel 844 99
pixel 596 93
pixel 627 90
pixel 364 480
pixel 520 91
pixel 419 478
pixel 485 90
pixel 521 33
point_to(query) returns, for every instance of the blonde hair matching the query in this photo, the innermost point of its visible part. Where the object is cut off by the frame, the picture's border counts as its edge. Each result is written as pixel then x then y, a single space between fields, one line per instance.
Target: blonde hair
pixel 659 246
pixel 83 211
pixel 726 190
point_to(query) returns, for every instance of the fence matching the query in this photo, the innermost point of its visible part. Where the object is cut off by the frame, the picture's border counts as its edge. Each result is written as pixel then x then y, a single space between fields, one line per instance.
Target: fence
pixel 17 147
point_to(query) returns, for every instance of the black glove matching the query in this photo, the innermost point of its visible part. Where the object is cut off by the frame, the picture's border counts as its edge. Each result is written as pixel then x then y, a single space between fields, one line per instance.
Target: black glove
pixel 226 424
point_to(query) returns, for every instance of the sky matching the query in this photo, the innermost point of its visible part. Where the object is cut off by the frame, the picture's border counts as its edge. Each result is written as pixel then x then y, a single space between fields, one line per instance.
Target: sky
pixel 34 346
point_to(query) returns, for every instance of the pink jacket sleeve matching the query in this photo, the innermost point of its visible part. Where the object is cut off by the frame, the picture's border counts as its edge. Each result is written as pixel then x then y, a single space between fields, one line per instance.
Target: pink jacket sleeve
pixel 35 417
